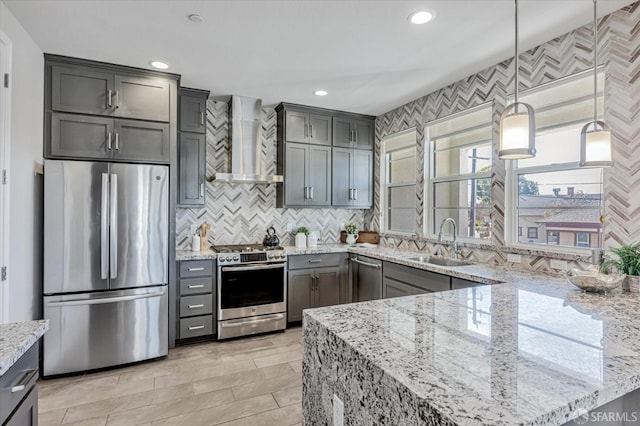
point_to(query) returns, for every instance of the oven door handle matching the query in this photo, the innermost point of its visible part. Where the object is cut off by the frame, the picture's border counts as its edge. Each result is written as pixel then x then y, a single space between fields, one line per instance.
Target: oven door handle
pixel 249 321
pixel 252 267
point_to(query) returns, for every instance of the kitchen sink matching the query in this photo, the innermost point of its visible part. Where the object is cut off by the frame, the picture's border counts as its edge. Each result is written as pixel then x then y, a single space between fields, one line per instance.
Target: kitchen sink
pixel 440 261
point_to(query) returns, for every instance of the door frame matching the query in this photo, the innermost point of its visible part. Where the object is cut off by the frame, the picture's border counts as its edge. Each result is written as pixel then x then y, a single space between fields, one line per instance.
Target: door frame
pixel 5 152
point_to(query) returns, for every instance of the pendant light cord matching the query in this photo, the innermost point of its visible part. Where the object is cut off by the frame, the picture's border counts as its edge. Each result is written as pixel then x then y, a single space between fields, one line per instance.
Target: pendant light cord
pixel 517 54
pixel 595 63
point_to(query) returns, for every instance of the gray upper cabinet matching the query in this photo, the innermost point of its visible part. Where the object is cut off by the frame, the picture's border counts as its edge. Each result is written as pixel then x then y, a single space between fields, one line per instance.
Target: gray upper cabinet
pixel 192 147
pixel 305 127
pixel 307 181
pixel 353 132
pixel 108 112
pixel 352 178
pixel 82 90
pixel 144 98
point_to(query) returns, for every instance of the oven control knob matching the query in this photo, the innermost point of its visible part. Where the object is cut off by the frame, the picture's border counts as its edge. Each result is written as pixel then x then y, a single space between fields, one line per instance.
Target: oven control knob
pixel 282 256
pixel 236 258
pixel 271 256
pixel 222 259
pixel 228 258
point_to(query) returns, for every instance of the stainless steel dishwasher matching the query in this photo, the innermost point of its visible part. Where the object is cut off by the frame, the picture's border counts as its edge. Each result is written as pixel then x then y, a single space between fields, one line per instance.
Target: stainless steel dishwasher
pixel 366 278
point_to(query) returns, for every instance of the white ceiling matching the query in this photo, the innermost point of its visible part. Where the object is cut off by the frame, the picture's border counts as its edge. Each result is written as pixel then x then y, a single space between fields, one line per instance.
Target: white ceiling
pixel 363 52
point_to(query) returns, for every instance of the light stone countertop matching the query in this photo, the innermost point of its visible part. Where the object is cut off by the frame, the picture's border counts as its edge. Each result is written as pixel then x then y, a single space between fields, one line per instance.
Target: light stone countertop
pixel 16 338
pixel 533 350
pixel 196 255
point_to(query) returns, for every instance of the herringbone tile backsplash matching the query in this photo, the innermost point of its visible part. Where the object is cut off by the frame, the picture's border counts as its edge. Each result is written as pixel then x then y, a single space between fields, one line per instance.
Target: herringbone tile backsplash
pixel 241 213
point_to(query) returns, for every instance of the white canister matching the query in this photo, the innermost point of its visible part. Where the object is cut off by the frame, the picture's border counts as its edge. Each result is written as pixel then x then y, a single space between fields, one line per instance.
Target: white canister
pixel 301 241
pixel 195 243
pixel 312 240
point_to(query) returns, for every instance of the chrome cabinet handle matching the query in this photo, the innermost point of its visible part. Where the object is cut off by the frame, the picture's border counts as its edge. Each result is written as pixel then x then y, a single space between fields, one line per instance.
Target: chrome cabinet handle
pixel 355 193
pixel 113 220
pixel 306 192
pixel 202 118
pixel 315 260
pixel 311 192
pixel 109 141
pixel 196 286
pixel 24 380
pixel 196 327
pixel 351 193
pixel 195 269
pixel 117 141
pixel 109 96
pixel 200 305
pixel 104 228
pixel 310 130
pixel 306 129
pixel 117 98
pixel 355 135
pixel 201 188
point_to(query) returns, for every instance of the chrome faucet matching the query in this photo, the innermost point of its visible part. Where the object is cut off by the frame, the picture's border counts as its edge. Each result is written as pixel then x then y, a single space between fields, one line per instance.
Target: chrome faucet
pixel 454 254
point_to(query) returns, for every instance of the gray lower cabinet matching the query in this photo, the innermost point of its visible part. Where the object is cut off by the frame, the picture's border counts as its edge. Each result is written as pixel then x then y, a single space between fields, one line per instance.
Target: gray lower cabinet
pixel 314 281
pixel 353 132
pixel 191 163
pixel 307 180
pixel 89 90
pixel 352 178
pixel 19 390
pixel 400 280
pixel 197 298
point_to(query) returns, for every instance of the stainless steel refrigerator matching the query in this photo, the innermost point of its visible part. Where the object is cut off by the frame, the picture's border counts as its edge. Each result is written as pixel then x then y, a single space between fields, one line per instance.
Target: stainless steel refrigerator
pixel 105 264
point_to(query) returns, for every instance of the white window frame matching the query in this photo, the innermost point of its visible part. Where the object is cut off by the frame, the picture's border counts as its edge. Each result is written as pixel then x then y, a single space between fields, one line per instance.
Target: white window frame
pixel 431 180
pixel 511 183
pixel 384 186
pixel 6 47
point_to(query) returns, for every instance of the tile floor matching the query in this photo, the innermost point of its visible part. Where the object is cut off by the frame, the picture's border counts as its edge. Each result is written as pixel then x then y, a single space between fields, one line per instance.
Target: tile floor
pixel 247 382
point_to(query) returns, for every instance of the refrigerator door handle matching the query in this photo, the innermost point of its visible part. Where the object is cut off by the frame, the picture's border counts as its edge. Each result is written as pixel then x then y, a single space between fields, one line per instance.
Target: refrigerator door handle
pixel 103 300
pixel 113 223
pixel 104 228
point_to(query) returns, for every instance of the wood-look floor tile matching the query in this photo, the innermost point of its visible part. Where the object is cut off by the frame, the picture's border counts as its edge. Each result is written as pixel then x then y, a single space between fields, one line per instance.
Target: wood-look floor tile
pixel 53 417
pixel 296 365
pixel 262 387
pixel 151 413
pixel 223 413
pixel 244 377
pixel 129 402
pixel 266 361
pixel 288 396
pixel 217 369
pixel 262 352
pixel 94 421
pixel 281 417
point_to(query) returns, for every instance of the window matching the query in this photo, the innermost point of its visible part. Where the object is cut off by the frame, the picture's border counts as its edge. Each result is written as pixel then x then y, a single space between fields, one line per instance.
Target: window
pixel 550 192
pixel 582 239
pixel 399 182
pixel 460 174
pixel 532 233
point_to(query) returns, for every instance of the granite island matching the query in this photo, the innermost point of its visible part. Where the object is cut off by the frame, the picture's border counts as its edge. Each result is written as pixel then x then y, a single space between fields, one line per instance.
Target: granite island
pixel 534 350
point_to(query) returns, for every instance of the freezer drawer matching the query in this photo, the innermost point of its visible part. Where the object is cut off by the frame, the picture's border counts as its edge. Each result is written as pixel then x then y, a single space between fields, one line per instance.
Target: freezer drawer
pixel 104 329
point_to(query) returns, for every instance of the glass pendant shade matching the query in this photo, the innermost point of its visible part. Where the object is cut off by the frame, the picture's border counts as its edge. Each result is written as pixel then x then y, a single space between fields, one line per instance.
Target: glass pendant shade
pixel 517 132
pixel 595 145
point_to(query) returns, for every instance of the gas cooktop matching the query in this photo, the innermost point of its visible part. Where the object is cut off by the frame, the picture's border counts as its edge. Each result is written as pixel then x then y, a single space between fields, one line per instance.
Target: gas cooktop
pixel 244 248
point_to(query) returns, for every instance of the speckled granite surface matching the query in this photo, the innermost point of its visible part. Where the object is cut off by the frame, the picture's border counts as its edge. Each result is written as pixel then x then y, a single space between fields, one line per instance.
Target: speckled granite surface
pixel 534 350
pixel 16 338
pixel 195 255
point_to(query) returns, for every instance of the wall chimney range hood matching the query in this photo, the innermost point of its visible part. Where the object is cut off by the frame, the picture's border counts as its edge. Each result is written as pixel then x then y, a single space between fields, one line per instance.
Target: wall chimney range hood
pixel 246 143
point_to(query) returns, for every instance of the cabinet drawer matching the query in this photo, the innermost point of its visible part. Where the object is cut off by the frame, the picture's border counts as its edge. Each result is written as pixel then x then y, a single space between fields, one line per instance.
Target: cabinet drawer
pixel 21 377
pixel 196 305
pixel 196 268
pixel 315 260
pixel 189 286
pixel 196 326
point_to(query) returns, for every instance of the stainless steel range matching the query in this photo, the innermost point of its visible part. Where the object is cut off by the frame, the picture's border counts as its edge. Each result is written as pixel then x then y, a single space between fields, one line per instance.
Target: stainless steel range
pixel 252 290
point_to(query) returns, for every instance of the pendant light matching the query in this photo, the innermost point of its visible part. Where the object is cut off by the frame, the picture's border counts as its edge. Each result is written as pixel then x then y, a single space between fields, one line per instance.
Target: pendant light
pixel 595 137
pixel 517 122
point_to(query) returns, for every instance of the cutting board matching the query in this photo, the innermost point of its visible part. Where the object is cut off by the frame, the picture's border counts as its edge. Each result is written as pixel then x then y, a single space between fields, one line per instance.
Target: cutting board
pixel 370 237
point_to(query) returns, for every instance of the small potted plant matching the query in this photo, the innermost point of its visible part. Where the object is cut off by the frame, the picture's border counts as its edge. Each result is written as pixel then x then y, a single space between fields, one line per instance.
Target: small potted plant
pixel 628 262
pixel 301 237
pixel 352 233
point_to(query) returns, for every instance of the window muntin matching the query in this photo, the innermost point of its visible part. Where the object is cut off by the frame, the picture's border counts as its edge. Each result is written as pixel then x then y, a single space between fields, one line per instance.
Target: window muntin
pixel 550 191
pixel 399 183
pixel 459 184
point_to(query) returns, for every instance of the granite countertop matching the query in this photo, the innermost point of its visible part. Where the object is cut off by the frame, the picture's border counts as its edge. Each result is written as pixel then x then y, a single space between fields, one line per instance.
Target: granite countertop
pixel 534 350
pixel 16 338
pixel 196 255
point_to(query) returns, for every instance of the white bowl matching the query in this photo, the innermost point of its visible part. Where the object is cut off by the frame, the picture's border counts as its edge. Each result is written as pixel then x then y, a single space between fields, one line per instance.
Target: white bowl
pixel 594 281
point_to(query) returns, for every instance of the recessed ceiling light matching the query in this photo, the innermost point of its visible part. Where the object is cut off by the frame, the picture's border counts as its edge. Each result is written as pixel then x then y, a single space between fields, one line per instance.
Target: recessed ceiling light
pixel 420 17
pixel 321 93
pixel 194 17
pixel 159 65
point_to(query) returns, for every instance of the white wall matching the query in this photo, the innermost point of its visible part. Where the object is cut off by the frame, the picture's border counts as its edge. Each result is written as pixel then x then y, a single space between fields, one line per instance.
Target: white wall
pixel 27 84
